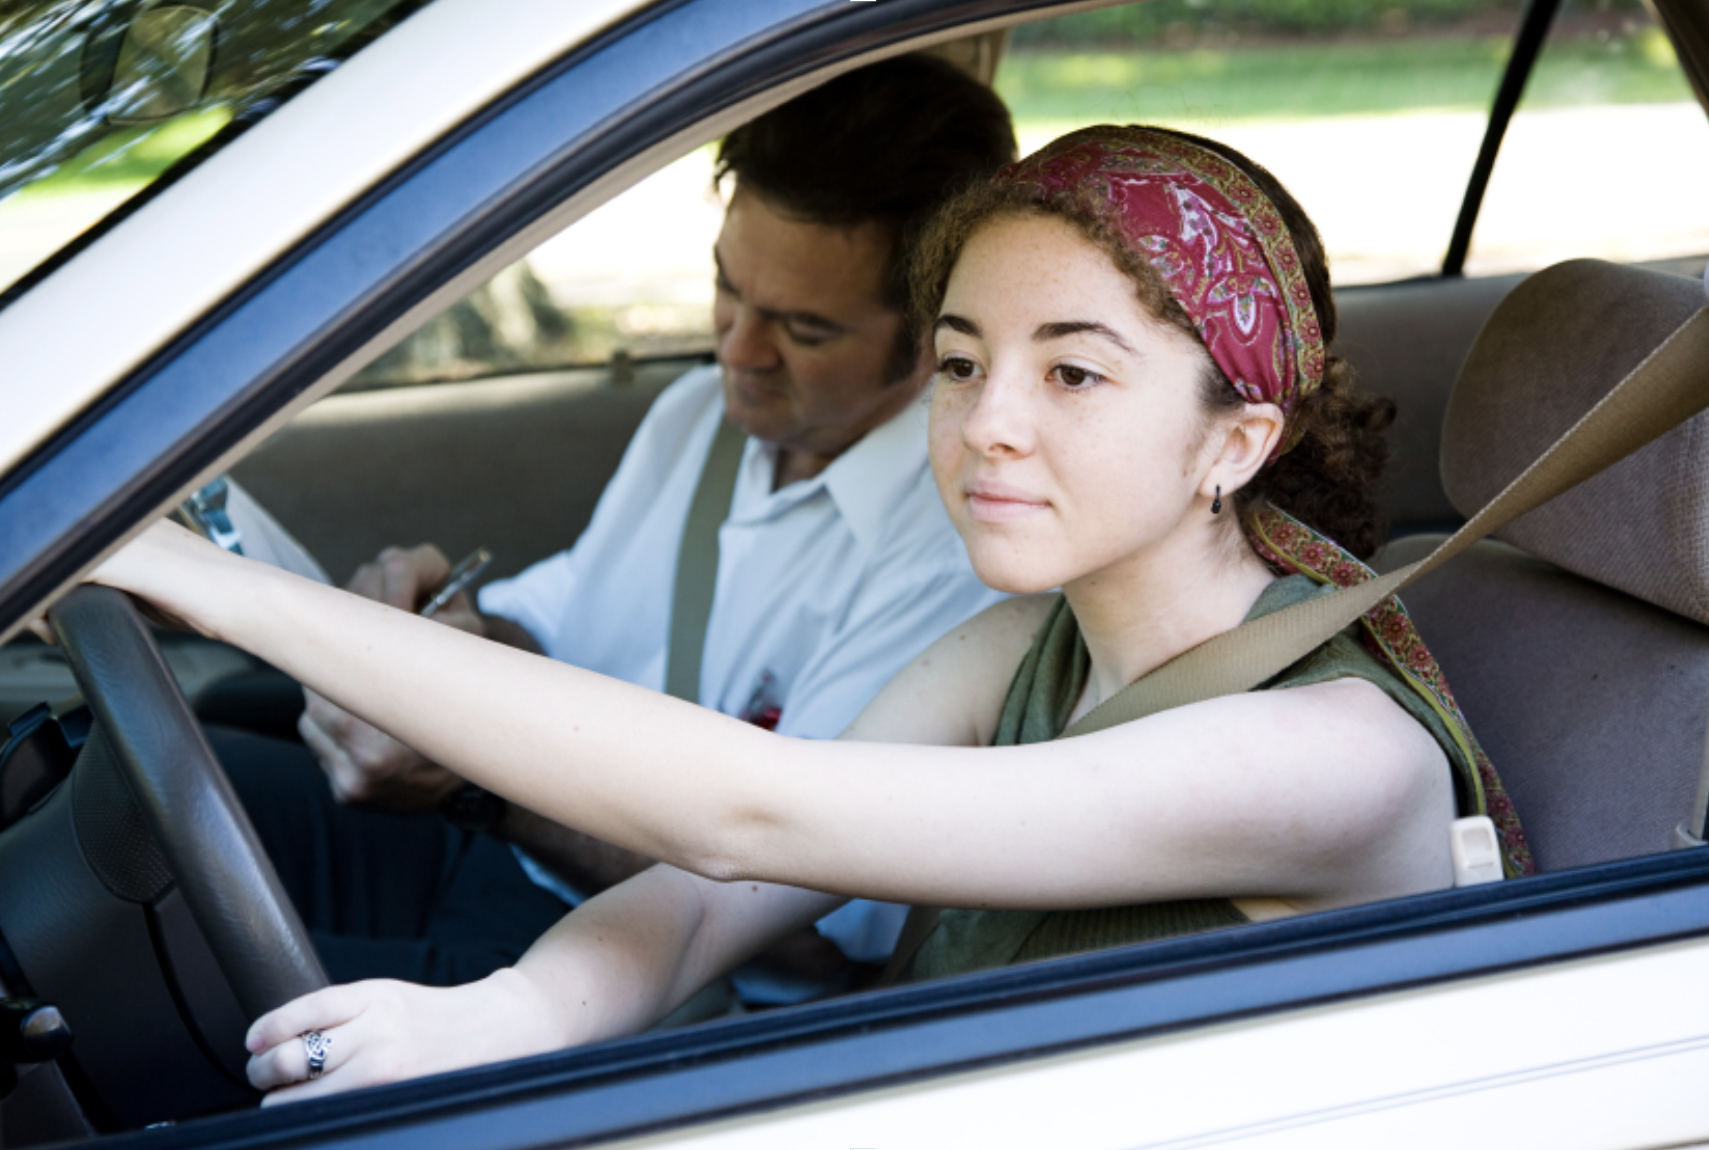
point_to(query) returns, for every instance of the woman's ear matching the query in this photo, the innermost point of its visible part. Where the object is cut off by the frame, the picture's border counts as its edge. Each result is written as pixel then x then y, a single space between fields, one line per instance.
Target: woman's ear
pixel 1248 438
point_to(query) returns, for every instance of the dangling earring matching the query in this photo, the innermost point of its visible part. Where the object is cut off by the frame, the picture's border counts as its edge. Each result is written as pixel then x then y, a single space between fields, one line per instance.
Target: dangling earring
pixel 1216 504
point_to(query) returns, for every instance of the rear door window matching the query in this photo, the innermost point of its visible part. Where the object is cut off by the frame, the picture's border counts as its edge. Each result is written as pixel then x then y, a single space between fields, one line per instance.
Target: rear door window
pixel 1370 113
pixel 1607 155
pixel 630 281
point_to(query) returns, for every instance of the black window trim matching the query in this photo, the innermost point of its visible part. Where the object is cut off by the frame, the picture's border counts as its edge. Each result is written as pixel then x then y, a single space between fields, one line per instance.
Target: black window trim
pixel 1528 41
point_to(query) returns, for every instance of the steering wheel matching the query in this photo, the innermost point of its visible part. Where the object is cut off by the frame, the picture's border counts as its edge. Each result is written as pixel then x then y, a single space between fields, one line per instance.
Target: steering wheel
pixel 187 804
pixel 138 899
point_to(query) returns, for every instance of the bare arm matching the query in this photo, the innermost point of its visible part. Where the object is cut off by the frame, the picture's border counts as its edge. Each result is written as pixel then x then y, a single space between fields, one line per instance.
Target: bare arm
pixel 510 633
pixel 1327 794
pixel 586 863
pixel 364 764
pixel 621 962
pixel 592 865
pixel 1101 820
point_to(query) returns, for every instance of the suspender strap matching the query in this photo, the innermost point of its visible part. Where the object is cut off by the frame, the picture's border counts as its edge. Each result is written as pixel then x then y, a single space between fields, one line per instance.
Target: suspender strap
pixel 1670 386
pixel 697 563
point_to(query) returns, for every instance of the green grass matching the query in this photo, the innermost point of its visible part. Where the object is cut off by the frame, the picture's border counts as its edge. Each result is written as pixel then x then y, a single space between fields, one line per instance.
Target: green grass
pixel 132 155
pixel 1263 82
pixel 1157 19
pixel 1294 81
pixel 1054 89
pixel 1641 69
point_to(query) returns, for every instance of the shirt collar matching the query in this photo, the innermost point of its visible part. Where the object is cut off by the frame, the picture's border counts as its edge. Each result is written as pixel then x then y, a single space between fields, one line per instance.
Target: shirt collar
pixel 865 483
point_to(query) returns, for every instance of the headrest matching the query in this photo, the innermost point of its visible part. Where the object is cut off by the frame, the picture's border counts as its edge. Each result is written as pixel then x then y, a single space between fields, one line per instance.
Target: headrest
pixel 1553 348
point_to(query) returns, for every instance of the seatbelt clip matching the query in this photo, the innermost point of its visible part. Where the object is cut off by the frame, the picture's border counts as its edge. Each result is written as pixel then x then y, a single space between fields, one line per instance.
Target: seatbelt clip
pixel 1475 850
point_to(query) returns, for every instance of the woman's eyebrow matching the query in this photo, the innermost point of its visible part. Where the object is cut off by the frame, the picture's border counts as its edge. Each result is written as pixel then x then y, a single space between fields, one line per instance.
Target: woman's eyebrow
pixel 1049 331
pixel 956 323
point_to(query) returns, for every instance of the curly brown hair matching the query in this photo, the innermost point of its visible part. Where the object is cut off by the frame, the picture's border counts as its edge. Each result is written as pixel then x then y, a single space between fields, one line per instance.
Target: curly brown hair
pixel 1328 479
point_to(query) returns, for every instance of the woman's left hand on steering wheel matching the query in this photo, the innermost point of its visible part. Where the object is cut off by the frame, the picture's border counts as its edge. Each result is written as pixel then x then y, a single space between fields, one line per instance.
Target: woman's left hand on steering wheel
pixel 164 568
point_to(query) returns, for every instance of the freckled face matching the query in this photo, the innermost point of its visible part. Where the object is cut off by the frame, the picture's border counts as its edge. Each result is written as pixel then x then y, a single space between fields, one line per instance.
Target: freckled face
pixel 1067 435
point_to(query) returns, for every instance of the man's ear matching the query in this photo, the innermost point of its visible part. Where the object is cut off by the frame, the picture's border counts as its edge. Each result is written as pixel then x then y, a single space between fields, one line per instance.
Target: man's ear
pixel 1248 438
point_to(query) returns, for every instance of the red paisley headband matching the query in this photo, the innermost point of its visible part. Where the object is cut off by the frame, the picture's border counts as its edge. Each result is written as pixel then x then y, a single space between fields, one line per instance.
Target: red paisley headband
pixel 1216 239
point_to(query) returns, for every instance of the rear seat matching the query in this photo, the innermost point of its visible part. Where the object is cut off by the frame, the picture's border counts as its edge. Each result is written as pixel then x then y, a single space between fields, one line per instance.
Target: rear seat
pixel 1578 646
pixel 1407 341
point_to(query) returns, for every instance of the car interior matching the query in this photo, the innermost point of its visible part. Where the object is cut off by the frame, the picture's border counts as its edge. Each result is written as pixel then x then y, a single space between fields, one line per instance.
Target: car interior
pixel 1577 641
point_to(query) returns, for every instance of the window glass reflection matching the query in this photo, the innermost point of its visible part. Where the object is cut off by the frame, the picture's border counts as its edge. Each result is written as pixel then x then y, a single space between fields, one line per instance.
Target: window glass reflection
pixel 1607 155
pixel 101 99
pixel 1367 112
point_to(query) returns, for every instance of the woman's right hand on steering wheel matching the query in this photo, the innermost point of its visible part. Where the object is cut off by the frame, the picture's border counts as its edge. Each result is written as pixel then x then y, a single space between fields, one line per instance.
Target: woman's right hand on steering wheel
pixel 372 1033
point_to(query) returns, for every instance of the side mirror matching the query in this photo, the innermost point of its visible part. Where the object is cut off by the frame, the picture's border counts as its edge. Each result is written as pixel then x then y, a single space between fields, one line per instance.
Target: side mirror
pixel 163 64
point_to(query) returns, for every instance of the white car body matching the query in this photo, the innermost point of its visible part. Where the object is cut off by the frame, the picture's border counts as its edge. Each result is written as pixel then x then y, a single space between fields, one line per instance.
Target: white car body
pixel 1597 1050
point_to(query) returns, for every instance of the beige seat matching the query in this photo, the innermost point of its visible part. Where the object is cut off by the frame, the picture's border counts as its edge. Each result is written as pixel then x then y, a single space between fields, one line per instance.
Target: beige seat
pixel 1579 646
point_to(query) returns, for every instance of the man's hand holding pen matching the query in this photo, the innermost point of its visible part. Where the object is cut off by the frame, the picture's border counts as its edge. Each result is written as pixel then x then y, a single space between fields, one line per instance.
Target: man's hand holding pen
pixel 363 764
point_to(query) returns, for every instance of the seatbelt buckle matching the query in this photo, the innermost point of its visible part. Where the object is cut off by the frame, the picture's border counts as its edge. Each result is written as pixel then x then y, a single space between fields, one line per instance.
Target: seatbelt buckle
pixel 1476 851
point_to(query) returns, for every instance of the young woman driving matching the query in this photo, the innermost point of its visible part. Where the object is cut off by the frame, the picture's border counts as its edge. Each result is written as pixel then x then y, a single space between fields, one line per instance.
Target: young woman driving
pixel 1134 392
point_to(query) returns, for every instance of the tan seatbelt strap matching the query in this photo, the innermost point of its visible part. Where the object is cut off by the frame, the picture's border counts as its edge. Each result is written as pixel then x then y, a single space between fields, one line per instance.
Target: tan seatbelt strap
pixel 1690 833
pixel 697 563
pixel 1669 387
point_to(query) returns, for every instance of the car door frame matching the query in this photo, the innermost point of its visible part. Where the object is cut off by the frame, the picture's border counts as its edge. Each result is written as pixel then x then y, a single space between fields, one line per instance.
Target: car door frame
pixel 446 218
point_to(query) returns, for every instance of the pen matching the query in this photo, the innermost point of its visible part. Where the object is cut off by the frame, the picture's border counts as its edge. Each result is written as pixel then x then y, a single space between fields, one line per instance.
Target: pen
pixel 461 576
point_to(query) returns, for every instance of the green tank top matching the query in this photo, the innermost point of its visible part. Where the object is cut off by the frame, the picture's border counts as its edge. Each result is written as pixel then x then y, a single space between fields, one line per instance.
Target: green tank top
pixel 1045 690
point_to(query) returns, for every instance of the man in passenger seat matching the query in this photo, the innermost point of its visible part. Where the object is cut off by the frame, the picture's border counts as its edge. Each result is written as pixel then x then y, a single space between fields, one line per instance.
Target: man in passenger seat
pixel 834 564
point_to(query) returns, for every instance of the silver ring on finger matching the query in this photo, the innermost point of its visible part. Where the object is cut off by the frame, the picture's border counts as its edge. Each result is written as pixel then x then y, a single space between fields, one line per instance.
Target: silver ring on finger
pixel 316 1045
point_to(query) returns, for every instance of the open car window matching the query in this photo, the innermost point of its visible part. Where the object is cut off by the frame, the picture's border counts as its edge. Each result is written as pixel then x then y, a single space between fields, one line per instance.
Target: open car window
pixel 593 293
pixel 1409 95
pixel 1604 154
pixel 1366 113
